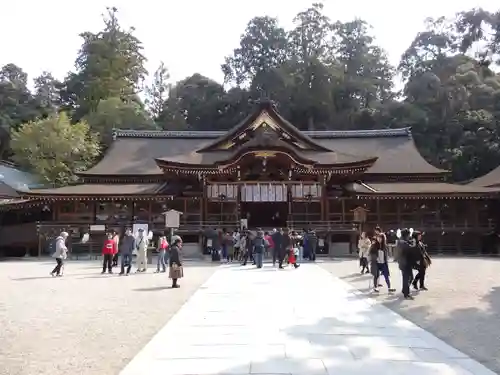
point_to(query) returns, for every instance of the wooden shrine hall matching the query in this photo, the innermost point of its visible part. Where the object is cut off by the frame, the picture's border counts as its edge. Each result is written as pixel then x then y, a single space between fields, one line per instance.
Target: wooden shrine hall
pixel 266 173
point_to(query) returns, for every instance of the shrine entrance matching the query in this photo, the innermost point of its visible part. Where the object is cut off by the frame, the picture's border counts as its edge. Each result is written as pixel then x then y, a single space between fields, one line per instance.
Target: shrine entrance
pixel 265 214
pixel 264 205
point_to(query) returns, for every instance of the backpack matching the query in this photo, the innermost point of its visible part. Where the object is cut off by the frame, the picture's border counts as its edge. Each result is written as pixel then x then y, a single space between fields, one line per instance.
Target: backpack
pixel 259 244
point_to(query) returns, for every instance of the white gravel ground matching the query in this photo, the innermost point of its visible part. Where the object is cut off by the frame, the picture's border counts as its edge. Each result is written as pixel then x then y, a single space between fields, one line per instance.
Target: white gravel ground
pixel 462 306
pixel 85 322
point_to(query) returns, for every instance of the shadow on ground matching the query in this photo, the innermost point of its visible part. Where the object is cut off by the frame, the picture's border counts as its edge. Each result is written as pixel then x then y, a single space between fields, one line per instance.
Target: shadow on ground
pixel 462 306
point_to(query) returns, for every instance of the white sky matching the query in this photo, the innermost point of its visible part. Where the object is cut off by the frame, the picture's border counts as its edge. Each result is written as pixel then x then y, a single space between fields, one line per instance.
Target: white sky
pixel 191 35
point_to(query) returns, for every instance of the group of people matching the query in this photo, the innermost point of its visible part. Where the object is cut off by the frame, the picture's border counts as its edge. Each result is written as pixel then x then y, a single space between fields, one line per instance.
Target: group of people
pixel 126 247
pixel 411 254
pixel 284 246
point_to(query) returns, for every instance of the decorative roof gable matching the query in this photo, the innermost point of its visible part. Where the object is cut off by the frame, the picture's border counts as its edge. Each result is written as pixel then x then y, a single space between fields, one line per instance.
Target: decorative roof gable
pixel 267 122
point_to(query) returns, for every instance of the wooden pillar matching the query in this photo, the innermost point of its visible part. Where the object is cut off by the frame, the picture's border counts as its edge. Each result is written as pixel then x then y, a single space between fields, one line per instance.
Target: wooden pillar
pixel 204 211
pixel 377 205
pixel 150 214
pixel 398 210
pixel 342 201
pixel 324 200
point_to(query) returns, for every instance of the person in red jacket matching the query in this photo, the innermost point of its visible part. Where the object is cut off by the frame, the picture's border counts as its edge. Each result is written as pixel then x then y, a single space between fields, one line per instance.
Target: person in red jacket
pixel 108 251
pixel 270 246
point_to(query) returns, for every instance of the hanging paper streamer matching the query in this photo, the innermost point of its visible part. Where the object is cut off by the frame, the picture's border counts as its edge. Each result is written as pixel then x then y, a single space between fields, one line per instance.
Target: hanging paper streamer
pixel 398 233
pixel 85 238
pixel 150 235
pixel 411 232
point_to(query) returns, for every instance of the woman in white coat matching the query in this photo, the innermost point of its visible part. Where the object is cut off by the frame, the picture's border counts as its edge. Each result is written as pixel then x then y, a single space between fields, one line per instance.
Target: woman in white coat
pixel 364 244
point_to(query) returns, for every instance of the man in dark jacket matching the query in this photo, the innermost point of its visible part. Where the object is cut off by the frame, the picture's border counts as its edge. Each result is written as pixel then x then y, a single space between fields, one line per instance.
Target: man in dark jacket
pixel 406 260
pixel 259 246
pixel 312 244
pixel 277 238
pixel 127 246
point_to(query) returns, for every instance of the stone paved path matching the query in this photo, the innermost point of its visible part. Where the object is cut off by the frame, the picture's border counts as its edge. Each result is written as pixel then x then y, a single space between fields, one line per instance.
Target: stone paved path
pixel 305 321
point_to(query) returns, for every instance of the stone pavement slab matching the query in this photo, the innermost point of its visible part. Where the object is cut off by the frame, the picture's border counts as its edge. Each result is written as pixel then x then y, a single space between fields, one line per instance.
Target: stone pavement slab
pixel 305 321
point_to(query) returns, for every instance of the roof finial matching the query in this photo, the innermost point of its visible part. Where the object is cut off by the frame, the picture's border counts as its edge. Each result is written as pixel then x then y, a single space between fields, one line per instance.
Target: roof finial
pixel 265 102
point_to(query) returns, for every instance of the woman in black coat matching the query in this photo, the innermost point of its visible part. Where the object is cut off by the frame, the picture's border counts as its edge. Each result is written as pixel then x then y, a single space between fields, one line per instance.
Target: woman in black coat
pixel 175 263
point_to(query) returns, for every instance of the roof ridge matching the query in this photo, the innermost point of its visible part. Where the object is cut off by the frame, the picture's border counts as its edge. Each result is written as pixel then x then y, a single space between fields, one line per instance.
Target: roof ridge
pixel 213 134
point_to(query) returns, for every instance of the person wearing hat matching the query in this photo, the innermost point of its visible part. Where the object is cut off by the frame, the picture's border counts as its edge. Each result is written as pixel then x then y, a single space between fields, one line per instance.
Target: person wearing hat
pixel 141 245
pixel 176 271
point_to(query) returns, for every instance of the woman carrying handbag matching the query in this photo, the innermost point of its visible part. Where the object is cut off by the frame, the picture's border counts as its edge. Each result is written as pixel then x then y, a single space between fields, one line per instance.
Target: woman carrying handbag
pixel 175 262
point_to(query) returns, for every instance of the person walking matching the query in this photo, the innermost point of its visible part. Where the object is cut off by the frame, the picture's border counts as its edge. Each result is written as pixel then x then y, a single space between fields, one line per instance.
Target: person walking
pixel 127 246
pixel 277 238
pixel 108 252
pixel 259 244
pixel 294 251
pixel 237 244
pixel 116 238
pixel 60 254
pixel 379 255
pixel 364 245
pixel 176 270
pixel 311 244
pixel 406 261
pixel 424 261
pixel 162 254
pixel 142 248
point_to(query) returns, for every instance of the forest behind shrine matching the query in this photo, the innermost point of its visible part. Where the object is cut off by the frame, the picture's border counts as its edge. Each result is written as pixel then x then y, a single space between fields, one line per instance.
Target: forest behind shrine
pixel 322 74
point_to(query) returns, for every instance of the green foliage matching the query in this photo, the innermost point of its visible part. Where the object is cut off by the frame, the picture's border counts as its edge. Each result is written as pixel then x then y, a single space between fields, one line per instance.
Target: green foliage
pixel 113 113
pixel 109 64
pixel 54 149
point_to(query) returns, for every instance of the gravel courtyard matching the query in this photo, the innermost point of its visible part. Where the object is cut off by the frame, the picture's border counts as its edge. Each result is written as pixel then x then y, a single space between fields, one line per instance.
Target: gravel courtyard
pixel 462 306
pixel 85 322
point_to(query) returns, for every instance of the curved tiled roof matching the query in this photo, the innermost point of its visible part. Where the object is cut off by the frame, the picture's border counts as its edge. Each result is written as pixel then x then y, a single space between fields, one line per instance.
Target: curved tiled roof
pixel 491 178
pixel 213 134
pixel 134 152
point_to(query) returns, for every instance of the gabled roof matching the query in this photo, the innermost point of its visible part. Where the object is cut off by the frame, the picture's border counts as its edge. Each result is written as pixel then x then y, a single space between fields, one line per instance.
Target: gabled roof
pixel 265 117
pixel 261 136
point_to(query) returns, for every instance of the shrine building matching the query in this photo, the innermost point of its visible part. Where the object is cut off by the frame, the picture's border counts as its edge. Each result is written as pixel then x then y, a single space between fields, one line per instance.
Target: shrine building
pixel 264 172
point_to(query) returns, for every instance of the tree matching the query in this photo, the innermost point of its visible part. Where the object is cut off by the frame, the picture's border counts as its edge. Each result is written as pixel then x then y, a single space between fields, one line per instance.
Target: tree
pixel 54 149
pixel 17 104
pixel 113 113
pixel 263 47
pixel 157 92
pixel 110 64
pixel 197 101
pixel 47 92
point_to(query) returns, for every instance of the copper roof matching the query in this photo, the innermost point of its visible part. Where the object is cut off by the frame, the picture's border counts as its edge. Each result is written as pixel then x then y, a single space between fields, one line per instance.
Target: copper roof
pixel 135 152
pixel 215 157
pixel 100 189
pixel 418 188
pixel 489 179
pixel 7 191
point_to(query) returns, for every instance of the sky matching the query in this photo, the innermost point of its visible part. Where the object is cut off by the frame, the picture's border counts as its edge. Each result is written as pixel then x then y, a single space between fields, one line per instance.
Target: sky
pixel 192 35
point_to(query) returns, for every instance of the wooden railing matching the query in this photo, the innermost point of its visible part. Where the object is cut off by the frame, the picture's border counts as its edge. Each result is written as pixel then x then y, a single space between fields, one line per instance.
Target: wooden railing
pixel 437 225
pixel 329 226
